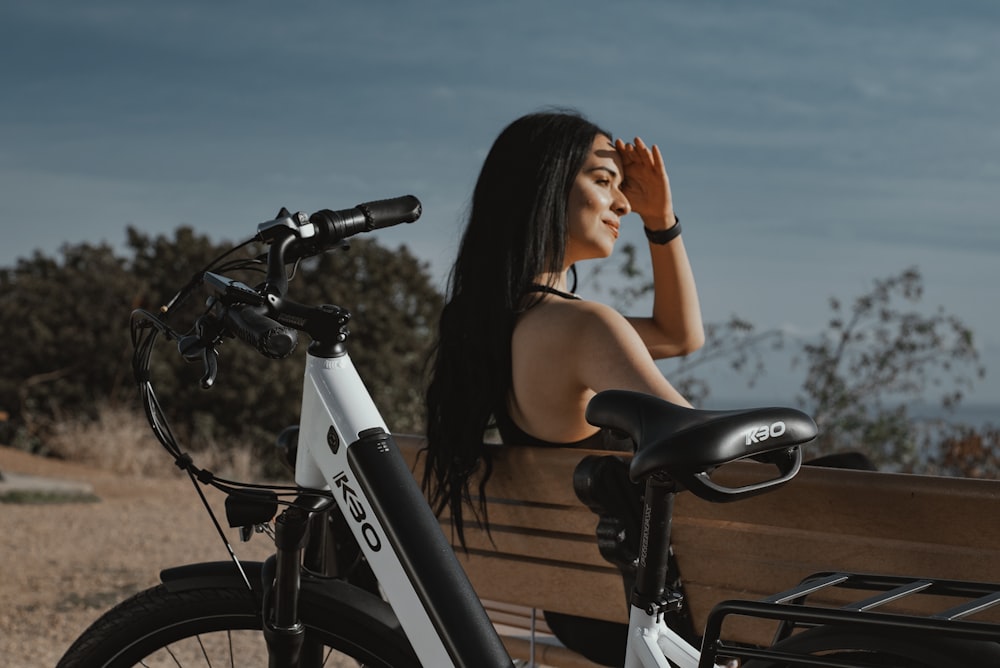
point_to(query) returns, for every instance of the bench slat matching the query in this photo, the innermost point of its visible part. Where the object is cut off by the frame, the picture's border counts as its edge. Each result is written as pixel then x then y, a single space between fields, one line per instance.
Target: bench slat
pixel 570 521
pixel 521 473
pixel 548 585
pixel 535 545
pixel 888 505
pixel 710 551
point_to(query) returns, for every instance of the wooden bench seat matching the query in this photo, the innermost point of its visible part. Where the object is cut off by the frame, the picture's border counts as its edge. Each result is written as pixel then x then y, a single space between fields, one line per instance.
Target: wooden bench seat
pixel 542 552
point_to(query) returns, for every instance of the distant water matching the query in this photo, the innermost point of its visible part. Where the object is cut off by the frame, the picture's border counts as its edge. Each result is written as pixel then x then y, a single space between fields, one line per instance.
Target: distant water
pixel 971 414
pixel 974 415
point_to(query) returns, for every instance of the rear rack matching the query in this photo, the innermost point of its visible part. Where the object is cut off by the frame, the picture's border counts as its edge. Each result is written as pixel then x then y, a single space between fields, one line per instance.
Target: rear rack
pixel 795 610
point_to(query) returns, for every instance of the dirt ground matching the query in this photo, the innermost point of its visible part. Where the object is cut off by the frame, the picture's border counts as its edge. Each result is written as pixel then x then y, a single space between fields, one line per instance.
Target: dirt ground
pixel 65 563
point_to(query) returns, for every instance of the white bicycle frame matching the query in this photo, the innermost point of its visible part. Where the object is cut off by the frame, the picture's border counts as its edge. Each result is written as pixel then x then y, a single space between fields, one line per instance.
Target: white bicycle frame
pixel 651 642
pixel 336 409
pixel 334 397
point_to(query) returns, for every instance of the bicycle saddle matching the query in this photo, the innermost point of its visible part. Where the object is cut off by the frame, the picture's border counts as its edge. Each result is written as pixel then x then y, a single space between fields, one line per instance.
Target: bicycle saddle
pixel 687 443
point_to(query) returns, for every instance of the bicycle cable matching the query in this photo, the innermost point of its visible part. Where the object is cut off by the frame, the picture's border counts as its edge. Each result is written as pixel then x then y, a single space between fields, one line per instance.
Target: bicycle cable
pixel 145 328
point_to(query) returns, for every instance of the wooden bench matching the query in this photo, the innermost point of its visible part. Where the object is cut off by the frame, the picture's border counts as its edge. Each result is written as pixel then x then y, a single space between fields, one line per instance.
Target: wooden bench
pixel 544 556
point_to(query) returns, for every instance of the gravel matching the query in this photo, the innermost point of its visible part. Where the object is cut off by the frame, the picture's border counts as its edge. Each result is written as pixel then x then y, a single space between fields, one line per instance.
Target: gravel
pixel 67 561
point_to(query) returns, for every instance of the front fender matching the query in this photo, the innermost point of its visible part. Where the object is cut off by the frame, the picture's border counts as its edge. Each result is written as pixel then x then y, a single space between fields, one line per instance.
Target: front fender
pixel 212 574
pixel 317 594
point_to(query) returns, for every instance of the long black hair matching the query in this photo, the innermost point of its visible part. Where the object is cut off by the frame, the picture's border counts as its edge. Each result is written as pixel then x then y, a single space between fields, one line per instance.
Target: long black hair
pixel 516 230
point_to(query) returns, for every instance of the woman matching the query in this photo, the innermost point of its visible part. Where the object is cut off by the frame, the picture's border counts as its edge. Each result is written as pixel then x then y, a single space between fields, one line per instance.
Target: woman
pixel 516 348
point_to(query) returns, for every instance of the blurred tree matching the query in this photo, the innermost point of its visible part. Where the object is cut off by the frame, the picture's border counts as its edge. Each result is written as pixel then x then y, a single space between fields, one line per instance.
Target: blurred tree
pixel 961 450
pixel 736 343
pixel 875 357
pixel 68 321
pixel 62 344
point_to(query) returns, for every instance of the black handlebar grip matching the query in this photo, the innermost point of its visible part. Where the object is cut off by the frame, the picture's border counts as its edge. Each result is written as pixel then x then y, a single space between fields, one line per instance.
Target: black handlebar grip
pixel 389 212
pixel 261 332
pixel 334 226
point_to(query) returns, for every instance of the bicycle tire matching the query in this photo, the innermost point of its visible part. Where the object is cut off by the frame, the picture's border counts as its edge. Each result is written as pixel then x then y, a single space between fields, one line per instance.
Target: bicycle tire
pixel 160 627
pixel 885 648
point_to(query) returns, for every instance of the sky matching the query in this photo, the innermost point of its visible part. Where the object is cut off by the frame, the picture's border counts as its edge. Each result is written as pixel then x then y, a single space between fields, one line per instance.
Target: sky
pixel 813 146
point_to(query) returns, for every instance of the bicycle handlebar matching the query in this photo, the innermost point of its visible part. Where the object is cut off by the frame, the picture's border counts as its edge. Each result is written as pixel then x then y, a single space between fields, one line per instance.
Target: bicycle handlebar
pixel 294 237
pixel 333 226
pixel 252 326
pixel 243 312
pixel 261 317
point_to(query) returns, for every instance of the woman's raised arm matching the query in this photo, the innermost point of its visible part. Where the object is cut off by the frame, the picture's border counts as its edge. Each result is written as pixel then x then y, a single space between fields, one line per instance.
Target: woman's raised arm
pixel 675 326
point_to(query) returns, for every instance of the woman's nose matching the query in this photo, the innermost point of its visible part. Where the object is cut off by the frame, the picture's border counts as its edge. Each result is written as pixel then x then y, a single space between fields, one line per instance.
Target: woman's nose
pixel 621 205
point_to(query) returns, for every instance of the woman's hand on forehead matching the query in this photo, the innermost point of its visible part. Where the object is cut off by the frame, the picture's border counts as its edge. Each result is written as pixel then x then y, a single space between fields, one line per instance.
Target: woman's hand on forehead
pixel 646 184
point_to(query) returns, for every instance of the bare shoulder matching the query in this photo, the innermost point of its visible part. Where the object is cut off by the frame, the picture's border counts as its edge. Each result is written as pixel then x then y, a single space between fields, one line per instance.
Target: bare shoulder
pixel 577 316
pixel 588 345
pixel 600 321
pixel 577 328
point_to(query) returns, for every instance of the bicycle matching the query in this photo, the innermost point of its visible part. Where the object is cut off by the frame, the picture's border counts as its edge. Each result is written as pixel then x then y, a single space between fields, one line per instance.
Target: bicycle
pixel 361 569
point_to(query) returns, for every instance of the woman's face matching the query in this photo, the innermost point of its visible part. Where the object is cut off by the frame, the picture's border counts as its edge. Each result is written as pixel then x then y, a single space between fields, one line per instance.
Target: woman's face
pixel 596 204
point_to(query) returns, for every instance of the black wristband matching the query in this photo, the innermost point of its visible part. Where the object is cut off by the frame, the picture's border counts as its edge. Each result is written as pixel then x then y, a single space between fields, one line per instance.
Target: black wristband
pixel 662 237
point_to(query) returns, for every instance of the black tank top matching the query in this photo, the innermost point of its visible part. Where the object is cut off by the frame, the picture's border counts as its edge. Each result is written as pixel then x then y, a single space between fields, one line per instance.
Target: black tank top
pixel 603 439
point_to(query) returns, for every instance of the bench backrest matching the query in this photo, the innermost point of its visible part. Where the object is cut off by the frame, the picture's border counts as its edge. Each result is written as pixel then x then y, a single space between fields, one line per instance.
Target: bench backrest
pixel 544 554
pixel 542 550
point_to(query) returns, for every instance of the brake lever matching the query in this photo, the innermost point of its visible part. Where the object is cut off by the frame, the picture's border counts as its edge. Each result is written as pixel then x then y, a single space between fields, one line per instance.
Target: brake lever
pixel 211 358
pixel 200 347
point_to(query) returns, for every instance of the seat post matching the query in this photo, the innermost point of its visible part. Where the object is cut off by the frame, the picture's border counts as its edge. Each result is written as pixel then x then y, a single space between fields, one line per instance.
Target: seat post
pixel 650 591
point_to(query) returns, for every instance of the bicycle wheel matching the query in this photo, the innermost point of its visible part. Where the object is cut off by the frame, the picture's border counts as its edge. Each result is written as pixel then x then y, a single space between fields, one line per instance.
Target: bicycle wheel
pixel 884 648
pixel 220 626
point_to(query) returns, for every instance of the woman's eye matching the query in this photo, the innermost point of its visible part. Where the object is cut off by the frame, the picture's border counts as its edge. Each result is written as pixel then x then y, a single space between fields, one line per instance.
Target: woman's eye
pixel 603 182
